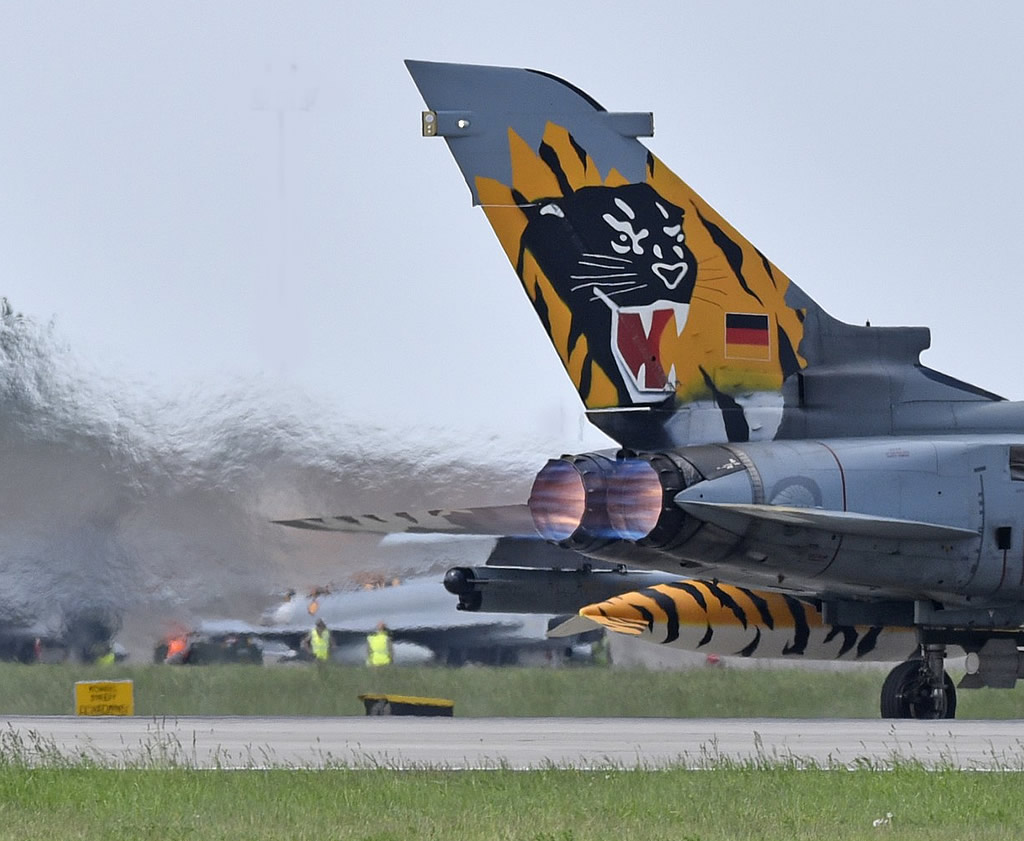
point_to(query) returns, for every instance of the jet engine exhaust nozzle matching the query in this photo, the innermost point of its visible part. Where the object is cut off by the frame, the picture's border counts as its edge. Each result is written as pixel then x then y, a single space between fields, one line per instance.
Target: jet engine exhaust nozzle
pixel 593 497
pixel 634 499
pixel 558 500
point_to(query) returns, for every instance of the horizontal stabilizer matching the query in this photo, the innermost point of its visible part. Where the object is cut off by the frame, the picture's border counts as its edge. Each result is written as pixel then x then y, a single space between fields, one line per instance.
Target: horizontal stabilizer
pixel 572 626
pixel 510 520
pixel 738 517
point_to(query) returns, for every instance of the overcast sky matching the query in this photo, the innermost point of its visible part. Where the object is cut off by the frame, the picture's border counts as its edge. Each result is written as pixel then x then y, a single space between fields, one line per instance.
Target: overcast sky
pixel 151 207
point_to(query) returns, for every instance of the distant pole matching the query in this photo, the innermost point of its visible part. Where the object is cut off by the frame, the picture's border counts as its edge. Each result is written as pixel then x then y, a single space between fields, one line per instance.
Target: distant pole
pixel 283 92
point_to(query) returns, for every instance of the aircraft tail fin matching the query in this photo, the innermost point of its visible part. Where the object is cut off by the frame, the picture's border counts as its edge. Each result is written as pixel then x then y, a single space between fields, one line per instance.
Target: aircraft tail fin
pixel 672 326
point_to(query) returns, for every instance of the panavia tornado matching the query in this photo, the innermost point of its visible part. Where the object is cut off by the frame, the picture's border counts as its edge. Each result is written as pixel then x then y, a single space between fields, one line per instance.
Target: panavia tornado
pixel 822 492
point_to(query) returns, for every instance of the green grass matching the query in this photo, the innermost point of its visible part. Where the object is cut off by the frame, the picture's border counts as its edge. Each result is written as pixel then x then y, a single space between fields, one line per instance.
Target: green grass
pixel 549 805
pixel 301 690
pixel 46 796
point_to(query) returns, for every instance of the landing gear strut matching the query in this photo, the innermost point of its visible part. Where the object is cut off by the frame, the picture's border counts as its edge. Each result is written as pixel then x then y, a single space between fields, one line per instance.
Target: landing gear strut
pixel 920 688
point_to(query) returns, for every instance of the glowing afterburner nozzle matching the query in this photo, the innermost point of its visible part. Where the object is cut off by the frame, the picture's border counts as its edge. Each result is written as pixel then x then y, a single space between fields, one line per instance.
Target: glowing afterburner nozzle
pixel 634 499
pixel 558 500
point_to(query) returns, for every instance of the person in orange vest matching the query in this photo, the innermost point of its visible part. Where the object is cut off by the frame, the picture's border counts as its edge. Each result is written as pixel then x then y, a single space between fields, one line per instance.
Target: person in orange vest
pixel 379 650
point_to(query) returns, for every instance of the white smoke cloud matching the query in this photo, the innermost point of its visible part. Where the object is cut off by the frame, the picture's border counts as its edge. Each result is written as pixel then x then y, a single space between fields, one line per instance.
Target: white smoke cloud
pixel 118 506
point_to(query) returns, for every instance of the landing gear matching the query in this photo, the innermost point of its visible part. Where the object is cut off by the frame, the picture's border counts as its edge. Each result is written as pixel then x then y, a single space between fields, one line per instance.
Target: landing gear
pixel 920 688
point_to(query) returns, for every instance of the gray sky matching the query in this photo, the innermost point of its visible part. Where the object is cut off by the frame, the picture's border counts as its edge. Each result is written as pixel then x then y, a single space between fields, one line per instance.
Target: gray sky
pixel 872 150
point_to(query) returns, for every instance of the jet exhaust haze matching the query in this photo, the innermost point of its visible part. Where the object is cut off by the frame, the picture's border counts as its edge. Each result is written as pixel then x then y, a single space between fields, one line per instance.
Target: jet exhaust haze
pixel 122 509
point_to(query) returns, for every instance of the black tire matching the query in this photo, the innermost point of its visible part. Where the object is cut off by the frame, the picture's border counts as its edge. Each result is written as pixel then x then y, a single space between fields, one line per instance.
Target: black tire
pixel 906 694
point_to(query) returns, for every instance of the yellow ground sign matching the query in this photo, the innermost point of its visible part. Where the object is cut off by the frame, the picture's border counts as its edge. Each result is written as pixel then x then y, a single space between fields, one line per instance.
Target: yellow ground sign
pixel 104 697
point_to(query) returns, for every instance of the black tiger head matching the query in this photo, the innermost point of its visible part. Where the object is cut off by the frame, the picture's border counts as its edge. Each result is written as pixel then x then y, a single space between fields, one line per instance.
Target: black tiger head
pixel 617 257
pixel 605 247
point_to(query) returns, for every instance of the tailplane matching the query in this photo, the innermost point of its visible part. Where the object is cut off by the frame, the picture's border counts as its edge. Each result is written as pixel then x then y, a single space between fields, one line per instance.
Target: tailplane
pixel 672 326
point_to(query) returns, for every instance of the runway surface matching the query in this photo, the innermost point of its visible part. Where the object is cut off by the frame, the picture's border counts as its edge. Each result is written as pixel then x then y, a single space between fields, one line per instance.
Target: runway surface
pixel 414 742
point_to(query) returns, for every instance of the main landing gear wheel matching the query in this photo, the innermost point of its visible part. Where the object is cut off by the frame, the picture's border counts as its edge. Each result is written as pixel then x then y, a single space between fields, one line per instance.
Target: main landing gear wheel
pixel 910 691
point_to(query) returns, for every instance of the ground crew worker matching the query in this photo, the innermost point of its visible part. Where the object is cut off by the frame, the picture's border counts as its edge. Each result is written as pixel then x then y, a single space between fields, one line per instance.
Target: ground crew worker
pixel 600 653
pixel 107 658
pixel 318 642
pixel 379 651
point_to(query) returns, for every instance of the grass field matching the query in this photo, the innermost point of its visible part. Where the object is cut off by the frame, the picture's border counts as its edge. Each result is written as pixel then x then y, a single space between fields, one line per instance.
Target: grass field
pixel 551 805
pixel 307 690
pixel 62 798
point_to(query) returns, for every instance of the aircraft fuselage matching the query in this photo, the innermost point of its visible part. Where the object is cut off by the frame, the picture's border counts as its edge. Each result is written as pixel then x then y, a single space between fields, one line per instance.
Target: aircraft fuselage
pixel 917 518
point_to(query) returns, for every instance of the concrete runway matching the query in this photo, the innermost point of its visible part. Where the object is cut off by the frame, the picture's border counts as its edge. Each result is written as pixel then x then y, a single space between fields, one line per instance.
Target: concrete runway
pixel 411 742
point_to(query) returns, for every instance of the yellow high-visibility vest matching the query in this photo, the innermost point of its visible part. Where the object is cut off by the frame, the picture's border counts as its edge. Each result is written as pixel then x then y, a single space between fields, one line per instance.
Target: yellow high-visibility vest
pixel 320 643
pixel 379 654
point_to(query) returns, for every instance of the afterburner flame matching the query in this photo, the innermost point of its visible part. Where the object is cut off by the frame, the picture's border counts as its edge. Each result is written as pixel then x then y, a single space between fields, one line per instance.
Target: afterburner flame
pixel 176 646
pixel 558 500
pixel 634 499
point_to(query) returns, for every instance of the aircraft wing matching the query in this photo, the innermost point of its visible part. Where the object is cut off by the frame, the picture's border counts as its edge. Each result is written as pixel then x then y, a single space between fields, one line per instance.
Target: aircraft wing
pixel 578 624
pixel 502 520
pixel 421 617
pixel 715 618
pixel 435 634
pixel 737 518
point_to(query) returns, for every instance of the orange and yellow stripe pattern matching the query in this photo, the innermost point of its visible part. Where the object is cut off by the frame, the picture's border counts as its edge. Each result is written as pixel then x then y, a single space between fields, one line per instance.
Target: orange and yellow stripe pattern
pixel 700 615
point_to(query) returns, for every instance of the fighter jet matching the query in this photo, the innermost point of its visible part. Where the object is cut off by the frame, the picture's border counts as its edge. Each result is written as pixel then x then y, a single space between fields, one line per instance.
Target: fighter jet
pixel 762 443
pixel 424 624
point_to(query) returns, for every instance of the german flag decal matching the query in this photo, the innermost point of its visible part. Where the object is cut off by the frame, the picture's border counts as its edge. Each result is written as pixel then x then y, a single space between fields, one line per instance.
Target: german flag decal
pixel 746 336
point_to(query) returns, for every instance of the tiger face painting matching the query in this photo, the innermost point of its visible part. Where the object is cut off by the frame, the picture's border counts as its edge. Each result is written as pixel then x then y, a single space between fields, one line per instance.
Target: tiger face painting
pixel 648 295
pixel 618 257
